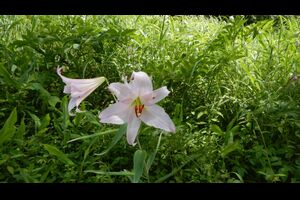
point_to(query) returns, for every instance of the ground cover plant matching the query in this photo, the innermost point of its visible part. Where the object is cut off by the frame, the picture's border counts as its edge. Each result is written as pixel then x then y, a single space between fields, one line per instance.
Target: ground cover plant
pixel 234 99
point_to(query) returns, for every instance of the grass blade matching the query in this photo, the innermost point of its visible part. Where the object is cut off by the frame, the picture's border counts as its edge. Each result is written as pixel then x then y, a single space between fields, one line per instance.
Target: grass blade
pixel 174 171
pixel 124 173
pixel 151 157
pixel 60 155
pixel 116 138
pixel 93 135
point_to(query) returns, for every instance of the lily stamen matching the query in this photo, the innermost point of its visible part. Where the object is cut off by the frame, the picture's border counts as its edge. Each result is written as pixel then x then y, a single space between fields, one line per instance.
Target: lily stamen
pixel 138 110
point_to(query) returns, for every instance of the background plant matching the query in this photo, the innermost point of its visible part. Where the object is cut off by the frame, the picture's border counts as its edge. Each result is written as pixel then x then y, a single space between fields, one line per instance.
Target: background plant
pixel 234 98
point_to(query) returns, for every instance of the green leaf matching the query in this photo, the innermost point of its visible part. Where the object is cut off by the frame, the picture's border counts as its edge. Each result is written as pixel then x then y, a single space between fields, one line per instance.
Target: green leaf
pixel 8 130
pixel 230 148
pixel 150 160
pixel 92 118
pixel 7 77
pixel 200 114
pixel 152 155
pixel 229 135
pixel 250 76
pixel 38 87
pixel 92 135
pixel 235 129
pixel 128 31
pixel 53 100
pixel 60 155
pixel 124 173
pixel 66 117
pixel 45 122
pixel 138 164
pixel 228 138
pixel 36 120
pixel 5 158
pixel 178 112
pixel 215 128
pixel 115 139
pixel 239 176
pixel 21 130
pixel 229 126
pixel 10 169
pixel 174 171
pixel 44 176
pixel 87 151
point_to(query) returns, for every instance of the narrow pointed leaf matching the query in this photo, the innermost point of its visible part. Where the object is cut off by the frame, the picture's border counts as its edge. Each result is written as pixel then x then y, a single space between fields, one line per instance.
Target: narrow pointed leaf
pixel 115 139
pixel 60 155
pixel 123 173
pixel 21 130
pixel 152 155
pixel 229 126
pixel 7 77
pixel 215 128
pixel 8 130
pixel 230 148
pixel 92 135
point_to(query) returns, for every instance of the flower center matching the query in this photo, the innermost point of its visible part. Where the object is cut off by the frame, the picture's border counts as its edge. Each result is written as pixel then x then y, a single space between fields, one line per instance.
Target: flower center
pixel 138 107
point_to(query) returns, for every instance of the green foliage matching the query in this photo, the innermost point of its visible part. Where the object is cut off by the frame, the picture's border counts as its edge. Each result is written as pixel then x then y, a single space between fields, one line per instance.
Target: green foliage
pixel 60 155
pixel 8 130
pixel 138 165
pixel 234 98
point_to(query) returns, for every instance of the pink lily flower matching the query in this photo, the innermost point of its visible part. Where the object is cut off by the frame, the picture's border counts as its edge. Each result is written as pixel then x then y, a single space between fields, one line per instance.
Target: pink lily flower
pixel 136 103
pixel 79 89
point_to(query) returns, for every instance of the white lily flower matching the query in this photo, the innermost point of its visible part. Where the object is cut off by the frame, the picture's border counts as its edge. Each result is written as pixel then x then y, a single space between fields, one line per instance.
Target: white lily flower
pixel 79 89
pixel 136 103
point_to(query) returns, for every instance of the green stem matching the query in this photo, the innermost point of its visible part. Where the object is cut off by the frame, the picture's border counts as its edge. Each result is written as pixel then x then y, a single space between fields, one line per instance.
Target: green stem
pixel 263 139
pixel 138 142
pixel 151 161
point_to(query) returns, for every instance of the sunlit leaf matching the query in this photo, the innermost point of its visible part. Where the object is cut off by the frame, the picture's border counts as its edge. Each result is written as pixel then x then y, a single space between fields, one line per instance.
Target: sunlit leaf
pixel 8 130
pixel 60 155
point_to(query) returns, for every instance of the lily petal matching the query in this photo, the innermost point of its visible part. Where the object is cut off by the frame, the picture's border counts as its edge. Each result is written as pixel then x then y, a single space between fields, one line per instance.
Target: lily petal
pixel 132 129
pixel 155 96
pixel 116 113
pixel 122 92
pixel 71 105
pixel 79 84
pixel 141 83
pixel 67 80
pixel 136 103
pixel 79 88
pixel 157 117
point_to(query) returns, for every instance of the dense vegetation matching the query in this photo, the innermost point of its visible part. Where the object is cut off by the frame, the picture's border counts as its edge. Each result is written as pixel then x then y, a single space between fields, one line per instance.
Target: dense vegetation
pixel 235 98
